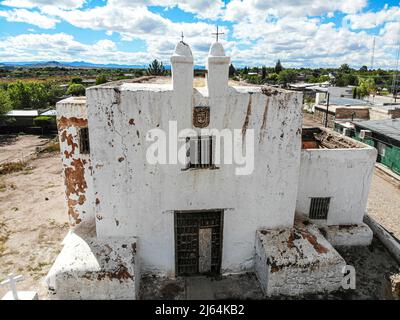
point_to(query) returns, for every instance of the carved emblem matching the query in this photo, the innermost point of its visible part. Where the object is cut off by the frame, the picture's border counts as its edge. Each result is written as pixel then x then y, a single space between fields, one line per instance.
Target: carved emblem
pixel 201 117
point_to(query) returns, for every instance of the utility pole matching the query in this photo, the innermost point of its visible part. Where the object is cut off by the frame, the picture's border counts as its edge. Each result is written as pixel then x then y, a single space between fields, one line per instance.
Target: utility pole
pixel 373 53
pixel 394 83
pixel 327 109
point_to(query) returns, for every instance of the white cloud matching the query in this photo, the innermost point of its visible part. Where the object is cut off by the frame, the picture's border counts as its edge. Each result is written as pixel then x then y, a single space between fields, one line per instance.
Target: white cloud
pixel 63 47
pixel 254 10
pixel 371 20
pixel 31 17
pixel 64 4
pixel 262 31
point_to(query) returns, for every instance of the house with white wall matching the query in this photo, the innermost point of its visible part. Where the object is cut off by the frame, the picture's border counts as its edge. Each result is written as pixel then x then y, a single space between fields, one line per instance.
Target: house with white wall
pixel 173 180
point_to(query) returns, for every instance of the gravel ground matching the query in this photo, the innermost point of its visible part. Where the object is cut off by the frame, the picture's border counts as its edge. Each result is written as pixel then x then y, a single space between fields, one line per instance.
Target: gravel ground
pixel 384 202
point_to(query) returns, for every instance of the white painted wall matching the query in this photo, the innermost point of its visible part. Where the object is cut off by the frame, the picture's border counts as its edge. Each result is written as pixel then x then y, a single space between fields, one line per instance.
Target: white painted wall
pixel 343 174
pixel 138 199
pixel 71 116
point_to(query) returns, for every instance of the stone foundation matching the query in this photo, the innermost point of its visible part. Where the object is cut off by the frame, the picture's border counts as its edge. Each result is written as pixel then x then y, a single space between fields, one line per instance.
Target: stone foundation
pixel 295 261
pixel 93 268
pixel 348 235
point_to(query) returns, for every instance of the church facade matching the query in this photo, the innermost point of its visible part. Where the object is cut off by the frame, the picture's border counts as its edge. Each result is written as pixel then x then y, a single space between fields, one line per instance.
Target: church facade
pixel 174 180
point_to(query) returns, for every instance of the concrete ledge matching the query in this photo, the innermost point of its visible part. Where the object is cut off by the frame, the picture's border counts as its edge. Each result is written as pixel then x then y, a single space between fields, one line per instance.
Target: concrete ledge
pixel 385 237
pixel 297 261
pixel 348 235
pixel 94 268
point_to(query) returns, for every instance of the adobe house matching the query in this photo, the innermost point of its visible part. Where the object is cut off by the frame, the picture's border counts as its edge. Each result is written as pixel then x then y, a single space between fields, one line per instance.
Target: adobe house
pixel 131 214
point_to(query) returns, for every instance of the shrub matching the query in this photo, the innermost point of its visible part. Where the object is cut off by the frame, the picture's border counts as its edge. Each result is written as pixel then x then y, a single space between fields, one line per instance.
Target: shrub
pixel 44 121
pixel 10 167
pixel 101 80
pixel 76 80
pixel 76 90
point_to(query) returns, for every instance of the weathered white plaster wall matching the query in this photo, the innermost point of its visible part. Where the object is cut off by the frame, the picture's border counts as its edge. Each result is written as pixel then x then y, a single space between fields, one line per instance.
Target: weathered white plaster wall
pixel 297 260
pixel 77 169
pixel 93 268
pixel 343 174
pixel 135 198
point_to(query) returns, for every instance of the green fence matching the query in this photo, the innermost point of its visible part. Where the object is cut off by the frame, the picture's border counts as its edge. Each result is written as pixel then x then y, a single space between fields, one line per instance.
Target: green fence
pixel 391 159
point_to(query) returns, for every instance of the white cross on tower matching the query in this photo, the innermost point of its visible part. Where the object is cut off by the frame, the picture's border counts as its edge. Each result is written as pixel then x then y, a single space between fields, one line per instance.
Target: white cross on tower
pixel 12 282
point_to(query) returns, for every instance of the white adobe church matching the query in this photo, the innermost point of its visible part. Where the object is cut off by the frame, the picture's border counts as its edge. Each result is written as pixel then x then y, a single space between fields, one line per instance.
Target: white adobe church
pixel 130 217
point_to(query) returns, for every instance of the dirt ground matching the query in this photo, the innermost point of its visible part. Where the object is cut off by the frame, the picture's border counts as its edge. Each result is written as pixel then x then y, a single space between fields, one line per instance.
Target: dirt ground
pixel 384 202
pixel 33 218
pixel 33 222
pixel 18 147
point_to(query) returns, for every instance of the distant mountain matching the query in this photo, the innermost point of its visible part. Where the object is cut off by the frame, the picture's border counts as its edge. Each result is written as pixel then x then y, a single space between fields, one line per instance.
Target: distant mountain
pixel 78 64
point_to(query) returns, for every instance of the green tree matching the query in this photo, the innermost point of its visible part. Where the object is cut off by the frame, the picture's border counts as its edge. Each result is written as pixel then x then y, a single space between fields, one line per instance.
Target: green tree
pixel 344 68
pixel 156 68
pixel 101 79
pixel 28 95
pixel 273 77
pixel 287 76
pixel 76 89
pixel 365 88
pixel 278 67
pixel 232 71
pixel 263 72
pixel 5 102
pixel 76 80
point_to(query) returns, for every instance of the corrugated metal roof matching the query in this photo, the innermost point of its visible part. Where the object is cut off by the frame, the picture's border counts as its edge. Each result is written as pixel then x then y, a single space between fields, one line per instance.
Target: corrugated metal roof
pixel 387 127
pixel 23 113
pixel 49 113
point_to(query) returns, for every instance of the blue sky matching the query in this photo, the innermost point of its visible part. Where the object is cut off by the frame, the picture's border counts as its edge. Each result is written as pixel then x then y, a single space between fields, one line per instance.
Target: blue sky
pixel 309 33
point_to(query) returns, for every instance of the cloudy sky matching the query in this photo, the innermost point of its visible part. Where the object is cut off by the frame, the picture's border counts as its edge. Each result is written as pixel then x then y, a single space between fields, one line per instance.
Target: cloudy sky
pixel 311 33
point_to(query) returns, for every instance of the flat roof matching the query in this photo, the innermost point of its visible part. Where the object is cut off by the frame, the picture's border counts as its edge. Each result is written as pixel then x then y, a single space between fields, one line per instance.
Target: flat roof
pixel 386 127
pixel 23 113
pixel 338 101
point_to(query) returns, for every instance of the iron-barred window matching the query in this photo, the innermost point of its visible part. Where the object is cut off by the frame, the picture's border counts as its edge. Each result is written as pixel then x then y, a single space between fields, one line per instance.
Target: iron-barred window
pixel 201 152
pixel 319 208
pixel 84 147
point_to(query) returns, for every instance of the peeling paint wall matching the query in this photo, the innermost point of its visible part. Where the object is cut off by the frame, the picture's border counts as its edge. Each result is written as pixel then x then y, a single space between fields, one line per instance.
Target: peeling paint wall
pixel 343 174
pixel 134 198
pixel 71 116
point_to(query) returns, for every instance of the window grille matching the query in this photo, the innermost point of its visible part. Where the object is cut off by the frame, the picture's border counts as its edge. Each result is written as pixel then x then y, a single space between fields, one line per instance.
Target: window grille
pixel 319 208
pixel 201 152
pixel 84 147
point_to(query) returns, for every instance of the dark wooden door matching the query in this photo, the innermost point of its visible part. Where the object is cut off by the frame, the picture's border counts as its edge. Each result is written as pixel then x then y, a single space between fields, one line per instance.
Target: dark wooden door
pixel 198 242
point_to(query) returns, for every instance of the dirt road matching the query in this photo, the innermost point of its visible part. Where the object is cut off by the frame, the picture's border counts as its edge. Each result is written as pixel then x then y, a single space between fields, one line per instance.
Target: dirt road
pixel 33 221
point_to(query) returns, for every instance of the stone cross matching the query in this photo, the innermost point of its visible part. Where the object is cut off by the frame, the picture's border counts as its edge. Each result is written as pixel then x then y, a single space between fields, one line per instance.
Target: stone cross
pixel 217 34
pixel 12 281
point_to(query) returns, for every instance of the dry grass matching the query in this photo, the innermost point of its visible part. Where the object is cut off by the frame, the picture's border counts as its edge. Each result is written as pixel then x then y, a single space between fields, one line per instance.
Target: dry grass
pixel 10 167
pixel 4 235
pixel 53 146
